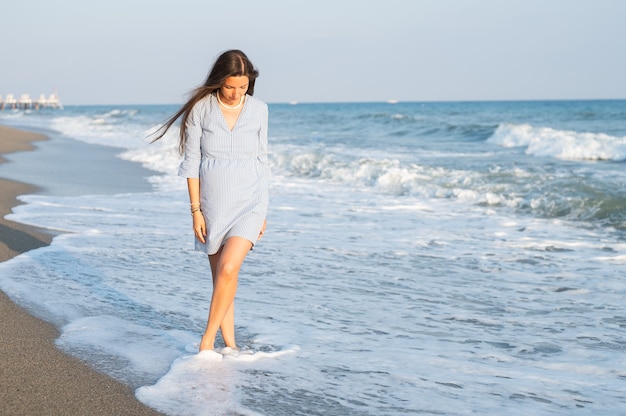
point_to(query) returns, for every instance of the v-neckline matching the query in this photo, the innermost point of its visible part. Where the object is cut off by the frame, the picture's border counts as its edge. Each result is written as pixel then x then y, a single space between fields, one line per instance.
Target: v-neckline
pixel 245 101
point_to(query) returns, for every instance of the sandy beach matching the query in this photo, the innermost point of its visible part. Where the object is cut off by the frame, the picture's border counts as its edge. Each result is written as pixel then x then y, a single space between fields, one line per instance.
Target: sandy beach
pixel 36 377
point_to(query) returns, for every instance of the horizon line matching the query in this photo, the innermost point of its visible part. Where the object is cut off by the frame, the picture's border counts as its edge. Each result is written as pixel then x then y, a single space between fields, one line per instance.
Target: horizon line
pixel 390 102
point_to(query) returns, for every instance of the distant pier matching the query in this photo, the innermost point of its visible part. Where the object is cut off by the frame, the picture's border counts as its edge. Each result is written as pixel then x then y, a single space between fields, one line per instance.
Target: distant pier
pixel 25 102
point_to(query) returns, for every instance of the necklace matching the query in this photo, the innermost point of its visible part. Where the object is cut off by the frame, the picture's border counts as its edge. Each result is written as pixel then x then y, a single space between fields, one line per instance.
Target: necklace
pixel 229 107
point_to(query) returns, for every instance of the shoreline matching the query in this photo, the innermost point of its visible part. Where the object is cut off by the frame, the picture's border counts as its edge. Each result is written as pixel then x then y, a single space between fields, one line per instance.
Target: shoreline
pixel 37 377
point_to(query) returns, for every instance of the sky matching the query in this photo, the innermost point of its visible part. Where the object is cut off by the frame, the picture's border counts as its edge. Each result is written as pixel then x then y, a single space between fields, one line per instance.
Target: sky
pixel 157 51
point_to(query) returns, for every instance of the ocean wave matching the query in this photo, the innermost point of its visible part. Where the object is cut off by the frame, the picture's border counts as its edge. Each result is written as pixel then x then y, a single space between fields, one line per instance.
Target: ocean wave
pixel 387 175
pixel 560 144
pixel 561 195
pixel 391 176
pixel 603 210
pixel 115 128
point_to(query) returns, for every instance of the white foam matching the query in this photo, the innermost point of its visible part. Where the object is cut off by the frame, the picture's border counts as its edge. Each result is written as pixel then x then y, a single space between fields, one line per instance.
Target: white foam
pixel 195 385
pixel 560 144
pixel 205 383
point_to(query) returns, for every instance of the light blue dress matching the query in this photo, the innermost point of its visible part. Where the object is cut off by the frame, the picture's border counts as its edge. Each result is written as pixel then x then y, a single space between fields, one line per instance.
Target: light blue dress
pixel 232 167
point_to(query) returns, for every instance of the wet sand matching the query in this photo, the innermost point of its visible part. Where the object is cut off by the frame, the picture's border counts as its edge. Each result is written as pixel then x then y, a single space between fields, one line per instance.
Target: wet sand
pixel 36 378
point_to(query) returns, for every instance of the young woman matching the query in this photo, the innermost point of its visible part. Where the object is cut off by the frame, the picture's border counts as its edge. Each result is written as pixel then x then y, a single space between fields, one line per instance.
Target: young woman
pixel 223 137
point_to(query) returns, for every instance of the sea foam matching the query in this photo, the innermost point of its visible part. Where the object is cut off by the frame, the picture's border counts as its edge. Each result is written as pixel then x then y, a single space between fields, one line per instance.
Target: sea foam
pixel 560 144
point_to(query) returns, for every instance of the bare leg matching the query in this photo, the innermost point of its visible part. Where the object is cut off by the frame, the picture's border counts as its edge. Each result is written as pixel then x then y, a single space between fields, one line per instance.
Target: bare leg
pixel 227 261
pixel 227 326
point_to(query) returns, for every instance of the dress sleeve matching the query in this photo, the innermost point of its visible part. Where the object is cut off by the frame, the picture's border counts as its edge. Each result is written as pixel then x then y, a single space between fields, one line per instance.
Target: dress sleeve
pixel 263 139
pixel 190 166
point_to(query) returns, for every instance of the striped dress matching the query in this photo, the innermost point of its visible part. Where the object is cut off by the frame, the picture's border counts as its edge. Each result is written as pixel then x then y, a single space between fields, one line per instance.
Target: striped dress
pixel 232 167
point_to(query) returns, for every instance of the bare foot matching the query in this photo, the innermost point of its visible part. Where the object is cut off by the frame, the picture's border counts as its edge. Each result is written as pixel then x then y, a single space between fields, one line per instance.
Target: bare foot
pixel 206 343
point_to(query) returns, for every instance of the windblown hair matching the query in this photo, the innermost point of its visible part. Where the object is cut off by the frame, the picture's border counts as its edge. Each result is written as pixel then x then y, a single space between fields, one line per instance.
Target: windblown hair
pixel 232 63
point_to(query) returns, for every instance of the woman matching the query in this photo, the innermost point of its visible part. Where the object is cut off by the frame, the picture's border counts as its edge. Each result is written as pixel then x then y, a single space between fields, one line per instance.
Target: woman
pixel 223 138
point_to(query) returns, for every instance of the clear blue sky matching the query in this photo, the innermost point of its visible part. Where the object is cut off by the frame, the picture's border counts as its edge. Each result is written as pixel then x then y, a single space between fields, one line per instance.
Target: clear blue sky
pixel 156 51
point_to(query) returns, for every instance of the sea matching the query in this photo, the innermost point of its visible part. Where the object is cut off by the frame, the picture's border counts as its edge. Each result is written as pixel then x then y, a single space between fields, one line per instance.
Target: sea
pixel 421 258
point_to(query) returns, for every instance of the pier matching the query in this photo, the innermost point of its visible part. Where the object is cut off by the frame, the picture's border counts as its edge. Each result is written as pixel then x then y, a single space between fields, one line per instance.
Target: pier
pixel 25 102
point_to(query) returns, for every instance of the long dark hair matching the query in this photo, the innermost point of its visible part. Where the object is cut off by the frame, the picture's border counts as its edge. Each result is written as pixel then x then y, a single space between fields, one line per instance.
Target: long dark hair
pixel 232 63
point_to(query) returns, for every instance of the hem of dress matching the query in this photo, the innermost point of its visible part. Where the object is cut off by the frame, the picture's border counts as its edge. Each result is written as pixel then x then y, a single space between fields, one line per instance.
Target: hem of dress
pixel 200 249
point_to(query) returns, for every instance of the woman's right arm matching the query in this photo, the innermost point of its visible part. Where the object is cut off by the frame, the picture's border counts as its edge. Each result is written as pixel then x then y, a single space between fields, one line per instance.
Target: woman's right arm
pixel 190 168
pixel 199 224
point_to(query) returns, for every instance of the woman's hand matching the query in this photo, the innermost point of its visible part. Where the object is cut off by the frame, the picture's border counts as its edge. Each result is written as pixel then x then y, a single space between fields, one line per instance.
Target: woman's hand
pixel 199 226
pixel 262 229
